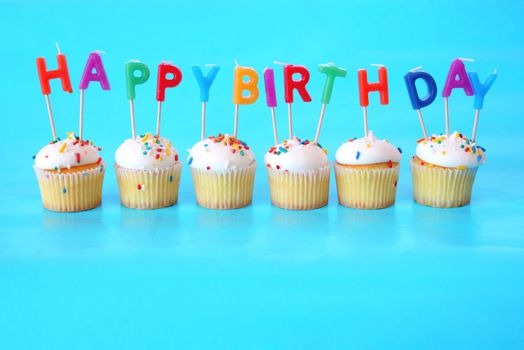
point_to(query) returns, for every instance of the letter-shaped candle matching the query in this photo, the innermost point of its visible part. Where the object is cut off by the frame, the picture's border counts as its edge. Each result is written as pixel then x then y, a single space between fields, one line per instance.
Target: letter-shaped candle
pixel 240 85
pixel 457 79
pixel 291 84
pixel 331 72
pixel 204 82
pixel 365 88
pixel 169 76
pixel 46 76
pixel 480 92
pixel 93 71
pixel 132 81
pixel 271 98
pixel 61 73
pixel 416 102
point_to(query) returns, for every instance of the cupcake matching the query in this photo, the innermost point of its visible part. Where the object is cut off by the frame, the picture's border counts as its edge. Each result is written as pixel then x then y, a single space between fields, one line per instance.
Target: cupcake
pixel 444 170
pixel 298 173
pixel 223 170
pixel 148 172
pixel 70 174
pixel 366 172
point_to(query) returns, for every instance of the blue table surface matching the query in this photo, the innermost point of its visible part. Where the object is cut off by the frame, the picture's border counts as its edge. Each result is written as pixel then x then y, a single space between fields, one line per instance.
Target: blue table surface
pixel 261 277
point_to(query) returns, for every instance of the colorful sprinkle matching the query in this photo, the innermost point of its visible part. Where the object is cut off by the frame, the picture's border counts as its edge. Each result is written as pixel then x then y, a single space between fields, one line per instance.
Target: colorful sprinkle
pixel 62 148
pixel 64 190
pixel 190 160
pixel 139 187
pixel 358 155
pixel 170 178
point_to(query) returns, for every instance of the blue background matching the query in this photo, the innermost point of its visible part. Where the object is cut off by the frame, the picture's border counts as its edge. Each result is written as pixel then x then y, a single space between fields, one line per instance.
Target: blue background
pixel 261 277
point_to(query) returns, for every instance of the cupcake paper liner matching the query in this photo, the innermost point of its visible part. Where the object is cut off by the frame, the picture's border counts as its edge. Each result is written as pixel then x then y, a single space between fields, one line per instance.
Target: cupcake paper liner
pixel 301 190
pixel 442 187
pixel 366 187
pixel 71 191
pixel 148 188
pixel 229 189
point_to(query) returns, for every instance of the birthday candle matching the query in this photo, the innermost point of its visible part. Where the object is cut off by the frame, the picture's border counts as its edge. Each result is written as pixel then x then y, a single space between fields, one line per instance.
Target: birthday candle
pixel 271 97
pixel 46 76
pixel 93 71
pixel 480 91
pixel 204 82
pixel 132 81
pixel 290 84
pixel 240 85
pixel 365 88
pixel 163 82
pixel 331 72
pixel 416 102
pixel 457 79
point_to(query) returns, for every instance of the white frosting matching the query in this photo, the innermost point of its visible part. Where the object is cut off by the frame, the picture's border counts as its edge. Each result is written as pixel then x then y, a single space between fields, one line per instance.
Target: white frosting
pixel 452 151
pixel 296 155
pixel 367 150
pixel 222 152
pixel 68 153
pixel 146 152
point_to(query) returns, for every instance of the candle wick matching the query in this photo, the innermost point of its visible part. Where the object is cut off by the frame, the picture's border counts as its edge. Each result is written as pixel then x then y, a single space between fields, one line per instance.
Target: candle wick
pixel 100 51
pixel 281 63
pixel 495 71
pixel 58 48
pixel 466 59
pixel 416 69
pixel 211 65
pixel 377 64
pixel 236 62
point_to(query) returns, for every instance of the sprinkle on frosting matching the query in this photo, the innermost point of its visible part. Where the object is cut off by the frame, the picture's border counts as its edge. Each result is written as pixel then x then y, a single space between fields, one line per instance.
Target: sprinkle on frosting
pixel 453 151
pixel 146 152
pixel 221 152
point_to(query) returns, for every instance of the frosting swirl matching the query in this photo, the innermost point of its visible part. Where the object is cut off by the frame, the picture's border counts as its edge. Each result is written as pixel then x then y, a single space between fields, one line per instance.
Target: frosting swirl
pixel 367 150
pixel 146 152
pixel 454 150
pixel 67 154
pixel 219 153
pixel 296 155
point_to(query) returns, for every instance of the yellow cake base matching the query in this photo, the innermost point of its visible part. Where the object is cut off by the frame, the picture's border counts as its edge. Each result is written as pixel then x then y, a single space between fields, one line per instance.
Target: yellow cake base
pixel 441 187
pixel 71 191
pixel 148 188
pixel 367 187
pixel 300 190
pixel 228 189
